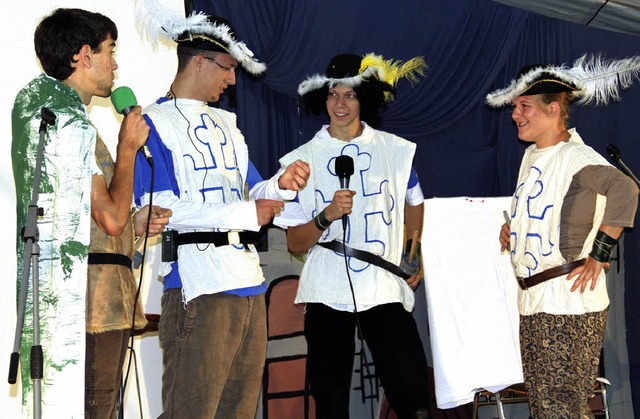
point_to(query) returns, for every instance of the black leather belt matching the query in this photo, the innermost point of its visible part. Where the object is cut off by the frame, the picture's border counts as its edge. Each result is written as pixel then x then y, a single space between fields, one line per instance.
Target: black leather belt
pixel 548 274
pixel 364 256
pixel 218 239
pixel 110 259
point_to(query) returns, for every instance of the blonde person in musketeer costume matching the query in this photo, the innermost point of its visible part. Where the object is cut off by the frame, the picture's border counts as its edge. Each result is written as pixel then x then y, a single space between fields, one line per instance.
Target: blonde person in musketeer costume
pixel 213 319
pixel 384 196
pixel 569 209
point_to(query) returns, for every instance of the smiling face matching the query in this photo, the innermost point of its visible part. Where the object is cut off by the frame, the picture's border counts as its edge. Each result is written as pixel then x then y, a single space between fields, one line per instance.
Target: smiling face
pixel 533 119
pixel 343 108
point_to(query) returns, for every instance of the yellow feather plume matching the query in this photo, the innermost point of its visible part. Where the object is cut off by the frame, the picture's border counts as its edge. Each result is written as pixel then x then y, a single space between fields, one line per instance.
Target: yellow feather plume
pixel 390 71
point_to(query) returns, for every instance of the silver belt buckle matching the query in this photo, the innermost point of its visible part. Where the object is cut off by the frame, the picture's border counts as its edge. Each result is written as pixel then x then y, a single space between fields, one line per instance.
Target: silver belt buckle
pixel 233 237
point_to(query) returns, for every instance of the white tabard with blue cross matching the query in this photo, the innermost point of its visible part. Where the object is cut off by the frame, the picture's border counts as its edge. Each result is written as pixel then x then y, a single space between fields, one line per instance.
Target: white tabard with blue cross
pixel 544 179
pixel 201 163
pixel 382 164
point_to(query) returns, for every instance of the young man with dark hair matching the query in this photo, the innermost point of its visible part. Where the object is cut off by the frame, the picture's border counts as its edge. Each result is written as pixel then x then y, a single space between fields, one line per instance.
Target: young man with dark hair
pixel 86 224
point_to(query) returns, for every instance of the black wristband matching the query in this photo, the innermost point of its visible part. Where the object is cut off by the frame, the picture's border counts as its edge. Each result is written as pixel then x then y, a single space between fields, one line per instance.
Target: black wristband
pixel 321 221
pixel 602 246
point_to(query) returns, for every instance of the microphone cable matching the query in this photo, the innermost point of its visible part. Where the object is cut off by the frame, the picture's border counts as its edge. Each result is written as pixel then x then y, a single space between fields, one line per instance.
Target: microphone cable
pixel 132 357
pixel 363 352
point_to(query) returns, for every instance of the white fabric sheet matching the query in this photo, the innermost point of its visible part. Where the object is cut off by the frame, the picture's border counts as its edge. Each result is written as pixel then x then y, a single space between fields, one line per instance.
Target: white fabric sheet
pixel 471 298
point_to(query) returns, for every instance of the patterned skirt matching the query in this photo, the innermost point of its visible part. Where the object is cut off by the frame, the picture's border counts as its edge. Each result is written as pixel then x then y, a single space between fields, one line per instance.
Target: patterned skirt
pixel 560 358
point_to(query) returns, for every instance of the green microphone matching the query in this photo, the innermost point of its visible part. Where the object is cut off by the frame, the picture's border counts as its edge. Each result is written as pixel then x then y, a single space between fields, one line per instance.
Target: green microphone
pixel 123 101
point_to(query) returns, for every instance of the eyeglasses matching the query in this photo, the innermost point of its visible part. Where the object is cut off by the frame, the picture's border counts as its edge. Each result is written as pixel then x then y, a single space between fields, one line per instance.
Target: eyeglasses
pixel 223 67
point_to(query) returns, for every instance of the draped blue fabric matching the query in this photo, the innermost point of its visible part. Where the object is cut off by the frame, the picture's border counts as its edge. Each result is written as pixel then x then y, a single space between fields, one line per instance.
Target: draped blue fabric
pixel 472 47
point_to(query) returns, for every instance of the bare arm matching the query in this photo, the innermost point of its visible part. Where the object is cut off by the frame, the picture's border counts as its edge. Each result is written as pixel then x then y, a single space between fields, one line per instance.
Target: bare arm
pixel 110 207
pixel 413 220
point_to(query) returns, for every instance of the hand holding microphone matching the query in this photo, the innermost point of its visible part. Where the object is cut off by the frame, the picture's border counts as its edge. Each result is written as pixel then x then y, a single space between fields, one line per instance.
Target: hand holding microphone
pixel 134 127
pixel 344 170
pixel 342 201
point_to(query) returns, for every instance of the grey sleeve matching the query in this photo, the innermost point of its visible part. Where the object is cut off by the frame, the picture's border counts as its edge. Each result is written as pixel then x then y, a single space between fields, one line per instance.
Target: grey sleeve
pixel 620 190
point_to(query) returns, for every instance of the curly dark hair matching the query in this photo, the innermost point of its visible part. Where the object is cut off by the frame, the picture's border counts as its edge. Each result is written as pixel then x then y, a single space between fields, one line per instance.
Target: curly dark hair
pixel 60 36
pixel 370 93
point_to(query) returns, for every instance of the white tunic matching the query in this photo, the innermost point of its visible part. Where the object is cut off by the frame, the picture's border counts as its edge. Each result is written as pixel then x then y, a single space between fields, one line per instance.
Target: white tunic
pixel 209 158
pixel 471 298
pixel 382 164
pixel 545 176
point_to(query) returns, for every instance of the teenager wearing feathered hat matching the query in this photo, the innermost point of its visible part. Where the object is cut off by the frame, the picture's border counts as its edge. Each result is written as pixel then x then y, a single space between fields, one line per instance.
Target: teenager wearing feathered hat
pixel 213 319
pixel 384 196
pixel 568 211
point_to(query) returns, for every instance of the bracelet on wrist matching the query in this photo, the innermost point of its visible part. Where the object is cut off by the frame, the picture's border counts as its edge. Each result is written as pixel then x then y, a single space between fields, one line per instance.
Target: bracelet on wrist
pixel 603 245
pixel 321 221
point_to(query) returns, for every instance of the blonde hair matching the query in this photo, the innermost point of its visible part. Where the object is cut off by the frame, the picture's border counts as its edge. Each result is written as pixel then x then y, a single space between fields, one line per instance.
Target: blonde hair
pixel 543 100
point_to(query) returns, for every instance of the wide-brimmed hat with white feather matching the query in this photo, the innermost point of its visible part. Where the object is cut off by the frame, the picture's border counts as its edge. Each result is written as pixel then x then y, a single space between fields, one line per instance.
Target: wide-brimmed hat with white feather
pixel 197 32
pixel 590 79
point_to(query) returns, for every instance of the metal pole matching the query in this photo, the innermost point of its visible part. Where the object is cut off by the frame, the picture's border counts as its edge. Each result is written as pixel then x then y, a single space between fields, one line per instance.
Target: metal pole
pixel 30 265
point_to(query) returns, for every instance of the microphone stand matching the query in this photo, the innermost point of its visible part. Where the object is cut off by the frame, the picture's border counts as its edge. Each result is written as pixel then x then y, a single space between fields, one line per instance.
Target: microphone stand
pixel 615 155
pixel 614 152
pixel 30 262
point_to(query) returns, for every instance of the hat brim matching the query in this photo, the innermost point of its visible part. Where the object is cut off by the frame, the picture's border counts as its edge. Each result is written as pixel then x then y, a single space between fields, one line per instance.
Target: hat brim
pixel 540 80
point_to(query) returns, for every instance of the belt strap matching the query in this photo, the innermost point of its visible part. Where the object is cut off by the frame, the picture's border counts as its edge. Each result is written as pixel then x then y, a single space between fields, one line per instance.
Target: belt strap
pixel 218 239
pixel 548 274
pixel 110 259
pixel 364 256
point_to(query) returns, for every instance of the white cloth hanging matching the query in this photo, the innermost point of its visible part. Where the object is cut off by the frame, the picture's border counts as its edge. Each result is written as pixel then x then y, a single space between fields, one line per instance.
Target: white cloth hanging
pixel 471 298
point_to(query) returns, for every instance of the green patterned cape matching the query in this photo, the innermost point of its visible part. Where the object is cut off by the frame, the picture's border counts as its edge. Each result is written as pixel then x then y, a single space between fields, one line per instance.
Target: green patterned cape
pixel 64 229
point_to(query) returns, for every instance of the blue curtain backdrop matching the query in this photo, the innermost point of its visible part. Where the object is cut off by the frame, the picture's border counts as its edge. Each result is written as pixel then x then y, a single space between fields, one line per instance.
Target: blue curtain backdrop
pixel 472 47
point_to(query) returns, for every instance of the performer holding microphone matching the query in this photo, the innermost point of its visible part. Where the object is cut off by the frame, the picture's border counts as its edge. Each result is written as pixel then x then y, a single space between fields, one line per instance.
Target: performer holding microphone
pixel 362 177
pixel 86 224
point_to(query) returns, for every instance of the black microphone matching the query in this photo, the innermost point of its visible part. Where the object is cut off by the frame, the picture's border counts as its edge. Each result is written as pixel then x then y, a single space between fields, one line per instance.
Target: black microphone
pixel 344 170
pixel 123 101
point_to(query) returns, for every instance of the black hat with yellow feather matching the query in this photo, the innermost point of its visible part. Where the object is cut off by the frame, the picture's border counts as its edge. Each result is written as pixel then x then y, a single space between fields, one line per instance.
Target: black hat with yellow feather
pixel 372 77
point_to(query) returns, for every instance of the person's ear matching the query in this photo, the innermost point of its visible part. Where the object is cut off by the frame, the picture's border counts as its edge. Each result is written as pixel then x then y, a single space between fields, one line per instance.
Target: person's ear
pixel 84 57
pixel 200 60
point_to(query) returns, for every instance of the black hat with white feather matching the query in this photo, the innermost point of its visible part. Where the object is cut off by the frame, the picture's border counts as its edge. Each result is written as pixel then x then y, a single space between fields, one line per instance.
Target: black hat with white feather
pixel 195 33
pixel 590 79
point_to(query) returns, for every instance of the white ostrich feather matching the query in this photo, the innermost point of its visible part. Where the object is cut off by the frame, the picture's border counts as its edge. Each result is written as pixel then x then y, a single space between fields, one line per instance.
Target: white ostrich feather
pixel 602 79
pixel 155 19
pixel 596 80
